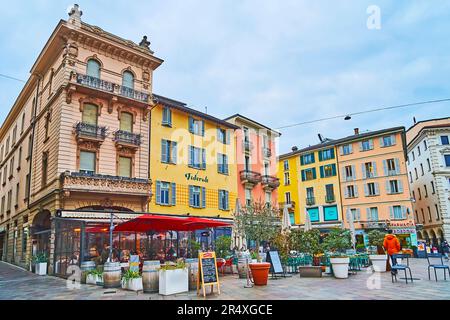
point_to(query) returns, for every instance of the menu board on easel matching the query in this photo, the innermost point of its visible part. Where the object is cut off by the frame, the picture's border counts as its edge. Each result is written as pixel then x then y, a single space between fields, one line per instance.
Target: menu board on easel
pixel 207 272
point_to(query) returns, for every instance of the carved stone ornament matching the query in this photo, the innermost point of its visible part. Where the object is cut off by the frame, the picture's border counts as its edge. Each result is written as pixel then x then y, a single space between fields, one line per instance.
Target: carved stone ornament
pixel 145 43
pixel 70 89
pixel 107 202
pixel 88 145
pixel 146 76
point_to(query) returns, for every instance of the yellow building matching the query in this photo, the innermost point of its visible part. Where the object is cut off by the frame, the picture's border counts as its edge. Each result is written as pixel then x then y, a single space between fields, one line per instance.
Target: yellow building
pixel 192 162
pixel 310 180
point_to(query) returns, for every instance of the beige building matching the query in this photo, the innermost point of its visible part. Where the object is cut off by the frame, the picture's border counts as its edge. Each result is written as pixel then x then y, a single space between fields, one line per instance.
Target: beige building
pixel 74 146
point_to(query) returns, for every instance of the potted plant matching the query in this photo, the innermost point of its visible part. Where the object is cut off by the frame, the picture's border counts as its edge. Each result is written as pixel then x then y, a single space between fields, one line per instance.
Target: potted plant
pixel 308 242
pixel 40 262
pixel 378 260
pixel 337 242
pixel 173 278
pixel 94 276
pixel 258 222
pixel 132 280
pixel 222 246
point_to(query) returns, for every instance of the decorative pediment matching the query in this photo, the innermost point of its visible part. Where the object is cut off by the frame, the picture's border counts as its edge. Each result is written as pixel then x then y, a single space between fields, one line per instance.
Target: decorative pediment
pixel 445 150
pixel 91 100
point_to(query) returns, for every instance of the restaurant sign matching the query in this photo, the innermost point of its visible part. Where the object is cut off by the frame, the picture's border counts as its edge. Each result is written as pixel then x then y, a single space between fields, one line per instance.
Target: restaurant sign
pixel 403 230
pixel 195 177
pixel 402 224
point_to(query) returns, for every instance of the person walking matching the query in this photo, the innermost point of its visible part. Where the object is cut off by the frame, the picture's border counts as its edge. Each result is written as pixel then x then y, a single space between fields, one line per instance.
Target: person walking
pixel 445 248
pixel 392 246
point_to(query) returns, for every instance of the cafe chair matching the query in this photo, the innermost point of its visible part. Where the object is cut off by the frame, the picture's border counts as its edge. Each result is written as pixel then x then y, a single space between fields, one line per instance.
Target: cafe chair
pixel 437 265
pixel 228 264
pixel 399 267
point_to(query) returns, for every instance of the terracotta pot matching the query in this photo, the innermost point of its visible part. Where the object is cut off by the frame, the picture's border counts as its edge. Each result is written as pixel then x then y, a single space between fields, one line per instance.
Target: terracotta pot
pixel 260 273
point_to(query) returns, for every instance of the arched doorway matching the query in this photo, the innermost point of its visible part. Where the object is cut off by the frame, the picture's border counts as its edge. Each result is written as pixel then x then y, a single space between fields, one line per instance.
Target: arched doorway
pixel 40 231
pixel 433 238
pixel 419 235
pixel 426 237
pixel 441 236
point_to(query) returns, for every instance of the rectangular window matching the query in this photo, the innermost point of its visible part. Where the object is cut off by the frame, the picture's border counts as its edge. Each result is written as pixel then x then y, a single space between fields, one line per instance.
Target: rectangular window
pixel 222 163
pixel 14 135
pixel 327 154
pixel 372 214
pixel 16 203
pixel 398 213
pixel 391 167
pixel 9 201
pixel 165 193
pixel 196 126
pixel 328 171
pixel 329 193
pixel 90 114
pixel 350 192
pixel 366 145
pixel 197 157
pixel 7 147
pixel 432 188
pixel 44 169
pixel 1 154
pixel 425 144
pixel 309 174
pixel 168 151
pixel 426 190
pixel 30 146
pixel 413 156
pixel 27 187
pixel 356 214
pixel 23 123
pixel 430 219
pixel 286 165
pixel 126 122
pixel 444 140
pixel 447 160
pixel 166 117
pixel 125 167
pixel 248 197
pixel 11 167
pixel 371 189
pixel 87 162
pixel 415 171
pixel 346 149
pixel 410 177
pixel 224 200
pixel 429 165
pixel 350 173
pixel 310 196
pixel 420 193
pixel 2 209
pixel 393 186
pixel 197 196
pixel 307 159
pixel 438 217
pixel 5 174
pixel 287 180
pixel 387 141
pixel 287 197
pixel 421 169
pixel 19 160
pixel 369 170
pixel 418 151
pixel 414 195
pixel 222 136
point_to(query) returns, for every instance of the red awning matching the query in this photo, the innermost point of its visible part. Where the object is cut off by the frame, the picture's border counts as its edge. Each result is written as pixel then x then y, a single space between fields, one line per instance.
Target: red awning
pixel 148 222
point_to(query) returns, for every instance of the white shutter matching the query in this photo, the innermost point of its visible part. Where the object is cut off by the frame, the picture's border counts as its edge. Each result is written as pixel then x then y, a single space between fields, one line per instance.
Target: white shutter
pixel 363 170
pixel 346 192
pixel 370 144
pixel 397 166
pixel 388 187
pixel 341 150
pixel 354 172
pixel 400 186
pixel 393 139
pixel 350 147
pixel 360 146
pixel 403 212
pixel 391 212
pixel 377 188
pixel 374 166
pixel 385 168
pixel 381 142
pixel 369 218
pixel 366 189
pixel 355 188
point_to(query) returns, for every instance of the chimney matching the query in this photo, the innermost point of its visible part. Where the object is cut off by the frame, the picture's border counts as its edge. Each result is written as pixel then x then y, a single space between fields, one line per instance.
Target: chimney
pixel 356 131
pixel 294 148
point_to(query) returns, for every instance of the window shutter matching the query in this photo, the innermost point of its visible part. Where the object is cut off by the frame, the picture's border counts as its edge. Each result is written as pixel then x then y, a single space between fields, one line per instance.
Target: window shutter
pixel 370 144
pixel 203 197
pixel 228 136
pixel 203 158
pixel 203 128
pixel 302 162
pixel 397 166
pixel 350 148
pixel 219 163
pixel 346 192
pixel 322 171
pixel 314 173
pixel 374 166
pixel 400 186
pixel 320 156
pixel 354 172
pixel 388 187
pixel 313 158
pixel 164 154
pixel 358 214
pixel 393 140
pixel 391 212
pixel 368 215
pixel 341 150
pixel 363 169
pixel 355 188
pixel 403 212
pixel 158 192
pixel 174 152
pixel 173 193
pixel 225 164
pixel 366 189
pixel 381 142
pixel 227 200
pixel 332 153
pixel 344 172
pixel 360 146
pixel 220 199
pixel 169 112
pixel 303 175
pixel 191 156
pixel 191 196
pixel 385 168
pixel 219 133
pixel 377 188
pixel 333 166
pixel 191 125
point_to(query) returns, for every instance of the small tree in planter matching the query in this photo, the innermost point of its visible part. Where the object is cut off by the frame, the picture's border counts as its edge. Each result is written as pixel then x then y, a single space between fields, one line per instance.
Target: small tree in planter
pixel 337 242
pixel 308 242
pixel 376 239
pixel 40 262
pixel 132 280
pixel 222 246
pixel 259 222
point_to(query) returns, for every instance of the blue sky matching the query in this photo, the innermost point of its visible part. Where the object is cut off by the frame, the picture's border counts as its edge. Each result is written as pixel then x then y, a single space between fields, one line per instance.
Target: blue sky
pixel 278 62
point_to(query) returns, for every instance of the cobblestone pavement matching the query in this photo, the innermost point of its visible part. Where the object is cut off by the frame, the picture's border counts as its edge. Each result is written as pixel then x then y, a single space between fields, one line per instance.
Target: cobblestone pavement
pixel 17 284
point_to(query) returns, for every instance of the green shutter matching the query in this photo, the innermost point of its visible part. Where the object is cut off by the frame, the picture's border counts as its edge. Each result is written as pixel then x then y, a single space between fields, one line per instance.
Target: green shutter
pixel 333 166
pixel 191 125
pixel 320 156
pixel 332 153
pixel 174 193
pixel 314 173
pixel 203 197
pixel 158 192
pixel 322 171
pixel 191 196
pixel 303 175
pixel 302 162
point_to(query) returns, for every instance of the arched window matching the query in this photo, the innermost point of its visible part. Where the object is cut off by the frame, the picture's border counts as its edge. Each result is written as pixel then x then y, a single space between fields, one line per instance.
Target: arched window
pixel 128 80
pixel 90 114
pixel 126 122
pixel 93 68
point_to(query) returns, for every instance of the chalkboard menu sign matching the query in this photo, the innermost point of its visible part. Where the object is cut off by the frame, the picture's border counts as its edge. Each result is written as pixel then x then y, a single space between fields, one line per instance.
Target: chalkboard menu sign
pixel 207 269
pixel 275 263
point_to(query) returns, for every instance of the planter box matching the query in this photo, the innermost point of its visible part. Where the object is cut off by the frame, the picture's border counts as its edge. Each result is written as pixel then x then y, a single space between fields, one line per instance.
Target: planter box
pixel 310 271
pixel 41 268
pixel 173 281
pixel 133 284
pixel 94 279
pixel 340 267
pixel 378 262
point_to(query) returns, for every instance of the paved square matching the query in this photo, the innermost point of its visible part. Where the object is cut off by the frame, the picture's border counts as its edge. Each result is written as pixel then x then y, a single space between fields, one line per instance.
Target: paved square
pixel 17 284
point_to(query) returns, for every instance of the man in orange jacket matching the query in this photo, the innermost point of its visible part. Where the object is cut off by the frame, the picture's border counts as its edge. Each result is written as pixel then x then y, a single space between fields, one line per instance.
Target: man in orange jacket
pixel 392 246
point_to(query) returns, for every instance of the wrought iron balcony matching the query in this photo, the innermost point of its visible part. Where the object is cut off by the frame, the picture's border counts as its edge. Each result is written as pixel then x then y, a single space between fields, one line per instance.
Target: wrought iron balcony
pixel 267 152
pixel 250 177
pixel 329 198
pixel 87 131
pixel 270 182
pixel 133 94
pixel 248 145
pixel 95 82
pixel 127 138
pixel 310 201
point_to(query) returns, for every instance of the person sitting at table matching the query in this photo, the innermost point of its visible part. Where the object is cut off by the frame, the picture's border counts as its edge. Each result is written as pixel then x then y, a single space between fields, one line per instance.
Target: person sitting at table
pixel 94 256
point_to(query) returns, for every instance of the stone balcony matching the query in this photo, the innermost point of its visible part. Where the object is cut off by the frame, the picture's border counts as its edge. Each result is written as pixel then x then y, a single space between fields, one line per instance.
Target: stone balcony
pixel 270 182
pixel 104 184
pixel 250 178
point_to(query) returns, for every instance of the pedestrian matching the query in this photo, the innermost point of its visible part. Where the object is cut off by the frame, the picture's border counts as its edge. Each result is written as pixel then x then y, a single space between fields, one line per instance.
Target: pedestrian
pixel 392 246
pixel 445 248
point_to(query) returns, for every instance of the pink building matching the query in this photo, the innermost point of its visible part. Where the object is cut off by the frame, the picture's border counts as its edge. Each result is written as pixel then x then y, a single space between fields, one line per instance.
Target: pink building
pixel 256 161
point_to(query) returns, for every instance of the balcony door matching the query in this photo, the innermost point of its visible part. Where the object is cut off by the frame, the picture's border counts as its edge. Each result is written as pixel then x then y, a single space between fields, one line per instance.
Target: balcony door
pixel 93 68
pixel 90 114
pixel 126 122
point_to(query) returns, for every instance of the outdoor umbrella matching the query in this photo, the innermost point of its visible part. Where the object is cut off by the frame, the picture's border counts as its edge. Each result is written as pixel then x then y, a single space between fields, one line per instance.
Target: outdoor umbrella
pixel 352 226
pixel 286 222
pixel 308 224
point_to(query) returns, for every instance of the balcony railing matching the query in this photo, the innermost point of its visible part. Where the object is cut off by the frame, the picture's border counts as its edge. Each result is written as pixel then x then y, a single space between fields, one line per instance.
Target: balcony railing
pixel 310 201
pixel 95 82
pixel 267 152
pixel 128 138
pixel 270 181
pixel 85 130
pixel 250 177
pixel 111 87
pixel 248 145
pixel 329 198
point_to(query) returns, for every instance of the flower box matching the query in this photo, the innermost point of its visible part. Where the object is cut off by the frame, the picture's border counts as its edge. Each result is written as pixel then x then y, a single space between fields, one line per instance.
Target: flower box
pixel 310 271
pixel 94 279
pixel 134 284
pixel 41 268
pixel 173 281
